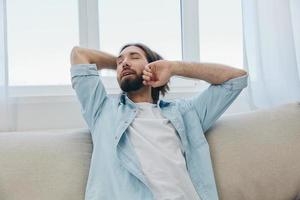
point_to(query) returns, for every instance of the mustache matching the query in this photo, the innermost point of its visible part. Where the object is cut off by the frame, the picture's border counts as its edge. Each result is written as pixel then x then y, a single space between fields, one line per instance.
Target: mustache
pixel 127 72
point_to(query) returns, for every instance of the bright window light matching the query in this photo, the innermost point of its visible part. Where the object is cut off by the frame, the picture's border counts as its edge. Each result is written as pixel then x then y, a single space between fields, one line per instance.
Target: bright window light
pixel 40 37
pixel 220 29
pixel 155 23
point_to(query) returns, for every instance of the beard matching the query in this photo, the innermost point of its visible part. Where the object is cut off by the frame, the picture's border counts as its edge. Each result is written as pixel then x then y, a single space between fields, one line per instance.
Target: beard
pixel 129 84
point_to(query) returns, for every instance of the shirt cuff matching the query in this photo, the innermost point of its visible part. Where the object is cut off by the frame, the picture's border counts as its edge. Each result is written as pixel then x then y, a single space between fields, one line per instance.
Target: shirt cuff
pixel 237 83
pixel 83 69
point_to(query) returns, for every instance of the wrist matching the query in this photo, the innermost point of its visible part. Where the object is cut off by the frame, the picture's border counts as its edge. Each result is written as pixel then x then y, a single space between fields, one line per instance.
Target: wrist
pixel 175 68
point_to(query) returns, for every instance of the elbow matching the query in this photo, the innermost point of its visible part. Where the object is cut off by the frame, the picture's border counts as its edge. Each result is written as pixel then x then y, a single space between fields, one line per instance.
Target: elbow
pixel 239 72
pixel 235 74
pixel 243 72
pixel 74 54
pixel 77 56
pixel 76 50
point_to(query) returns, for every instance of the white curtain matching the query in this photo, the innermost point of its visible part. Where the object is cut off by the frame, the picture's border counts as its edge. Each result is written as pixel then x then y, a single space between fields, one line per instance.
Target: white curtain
pixel 5 122
pixel 272 51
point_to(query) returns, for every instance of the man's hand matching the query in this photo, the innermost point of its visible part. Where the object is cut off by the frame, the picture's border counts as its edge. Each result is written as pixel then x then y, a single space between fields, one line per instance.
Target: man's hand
pixel 157 73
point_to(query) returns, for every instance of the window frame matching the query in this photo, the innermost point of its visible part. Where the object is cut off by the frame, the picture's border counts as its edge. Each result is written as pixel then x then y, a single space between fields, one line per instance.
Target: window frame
pixel 89 37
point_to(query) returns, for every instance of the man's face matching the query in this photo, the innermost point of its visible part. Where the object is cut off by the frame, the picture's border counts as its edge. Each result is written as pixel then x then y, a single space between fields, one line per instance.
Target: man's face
pixel 130 65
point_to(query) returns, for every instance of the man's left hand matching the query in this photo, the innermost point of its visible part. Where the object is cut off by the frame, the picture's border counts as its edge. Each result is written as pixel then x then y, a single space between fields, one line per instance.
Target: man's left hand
pixel 157 73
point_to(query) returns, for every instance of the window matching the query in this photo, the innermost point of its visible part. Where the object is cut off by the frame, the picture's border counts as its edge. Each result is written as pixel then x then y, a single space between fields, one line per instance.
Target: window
pixel 220 30
pixel 156 23
pixel 40 37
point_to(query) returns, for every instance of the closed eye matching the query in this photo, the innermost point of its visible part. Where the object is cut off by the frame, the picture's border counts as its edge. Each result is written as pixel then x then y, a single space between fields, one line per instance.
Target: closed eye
pixel 120 61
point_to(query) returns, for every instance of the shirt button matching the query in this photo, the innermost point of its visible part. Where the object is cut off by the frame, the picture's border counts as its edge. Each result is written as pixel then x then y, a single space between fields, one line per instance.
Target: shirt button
pixel 116 137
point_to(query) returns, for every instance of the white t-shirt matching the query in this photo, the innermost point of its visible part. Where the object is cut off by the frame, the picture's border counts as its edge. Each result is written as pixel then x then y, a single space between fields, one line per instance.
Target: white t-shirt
pixel 159 150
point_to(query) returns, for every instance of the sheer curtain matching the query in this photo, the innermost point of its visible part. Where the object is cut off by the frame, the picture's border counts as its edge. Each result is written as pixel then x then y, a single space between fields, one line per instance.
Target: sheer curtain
pixel 4 104
pixel 272 52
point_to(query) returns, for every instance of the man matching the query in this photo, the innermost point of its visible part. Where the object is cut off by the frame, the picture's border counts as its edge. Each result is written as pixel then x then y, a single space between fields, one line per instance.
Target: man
pixel 145 147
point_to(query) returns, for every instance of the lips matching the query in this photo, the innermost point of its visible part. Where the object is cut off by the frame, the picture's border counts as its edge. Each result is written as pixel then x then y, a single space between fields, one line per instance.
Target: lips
pixel 127 72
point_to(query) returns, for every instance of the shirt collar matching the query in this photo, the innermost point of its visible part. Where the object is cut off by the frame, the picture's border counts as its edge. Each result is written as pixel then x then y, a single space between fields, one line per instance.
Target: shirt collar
pixel 123 99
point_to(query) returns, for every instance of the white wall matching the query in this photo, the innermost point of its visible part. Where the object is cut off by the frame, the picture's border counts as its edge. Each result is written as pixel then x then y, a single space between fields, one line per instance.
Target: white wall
pixel 58 112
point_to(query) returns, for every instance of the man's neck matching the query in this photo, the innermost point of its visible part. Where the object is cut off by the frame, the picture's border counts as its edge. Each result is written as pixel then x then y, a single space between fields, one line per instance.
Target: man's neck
pixel 141 95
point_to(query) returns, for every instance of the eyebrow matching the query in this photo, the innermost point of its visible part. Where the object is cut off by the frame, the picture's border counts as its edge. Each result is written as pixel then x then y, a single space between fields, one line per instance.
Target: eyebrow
pixel 131 53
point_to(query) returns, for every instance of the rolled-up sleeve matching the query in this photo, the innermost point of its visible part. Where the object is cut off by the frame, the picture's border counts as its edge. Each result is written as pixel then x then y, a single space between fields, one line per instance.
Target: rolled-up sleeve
pixel 213 101
pixel 89 90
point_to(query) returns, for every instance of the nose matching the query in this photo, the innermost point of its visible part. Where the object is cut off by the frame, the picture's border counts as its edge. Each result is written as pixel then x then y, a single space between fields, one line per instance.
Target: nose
pixel 125 64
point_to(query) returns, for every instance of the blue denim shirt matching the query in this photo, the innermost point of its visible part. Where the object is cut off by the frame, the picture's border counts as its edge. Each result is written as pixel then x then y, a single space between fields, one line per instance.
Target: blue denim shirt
pixel 115 172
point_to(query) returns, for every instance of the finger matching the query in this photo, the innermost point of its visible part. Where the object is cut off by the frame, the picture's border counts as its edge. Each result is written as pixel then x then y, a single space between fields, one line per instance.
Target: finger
pixel 148 68
pixel 147 73
pixel 147 78
pixel 145 82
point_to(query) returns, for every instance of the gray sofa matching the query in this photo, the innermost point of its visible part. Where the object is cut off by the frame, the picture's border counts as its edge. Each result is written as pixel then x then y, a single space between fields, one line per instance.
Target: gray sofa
pixel 256 156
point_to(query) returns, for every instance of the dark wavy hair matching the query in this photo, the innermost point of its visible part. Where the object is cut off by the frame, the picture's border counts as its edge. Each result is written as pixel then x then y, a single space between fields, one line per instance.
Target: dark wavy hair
pixel 151 56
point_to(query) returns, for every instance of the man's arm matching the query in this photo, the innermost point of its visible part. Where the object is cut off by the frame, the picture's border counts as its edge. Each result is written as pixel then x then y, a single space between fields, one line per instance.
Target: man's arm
pixel 159 72
pixel 210 72
pixel 103 60
pixel 226 84
pixel 85 80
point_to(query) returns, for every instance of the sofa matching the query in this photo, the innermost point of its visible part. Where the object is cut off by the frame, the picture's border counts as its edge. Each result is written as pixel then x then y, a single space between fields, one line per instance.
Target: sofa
pixel 255 155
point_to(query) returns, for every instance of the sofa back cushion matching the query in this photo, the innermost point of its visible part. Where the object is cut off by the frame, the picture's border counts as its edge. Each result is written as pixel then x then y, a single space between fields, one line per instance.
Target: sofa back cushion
pixel 44 165
pixel 256 156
